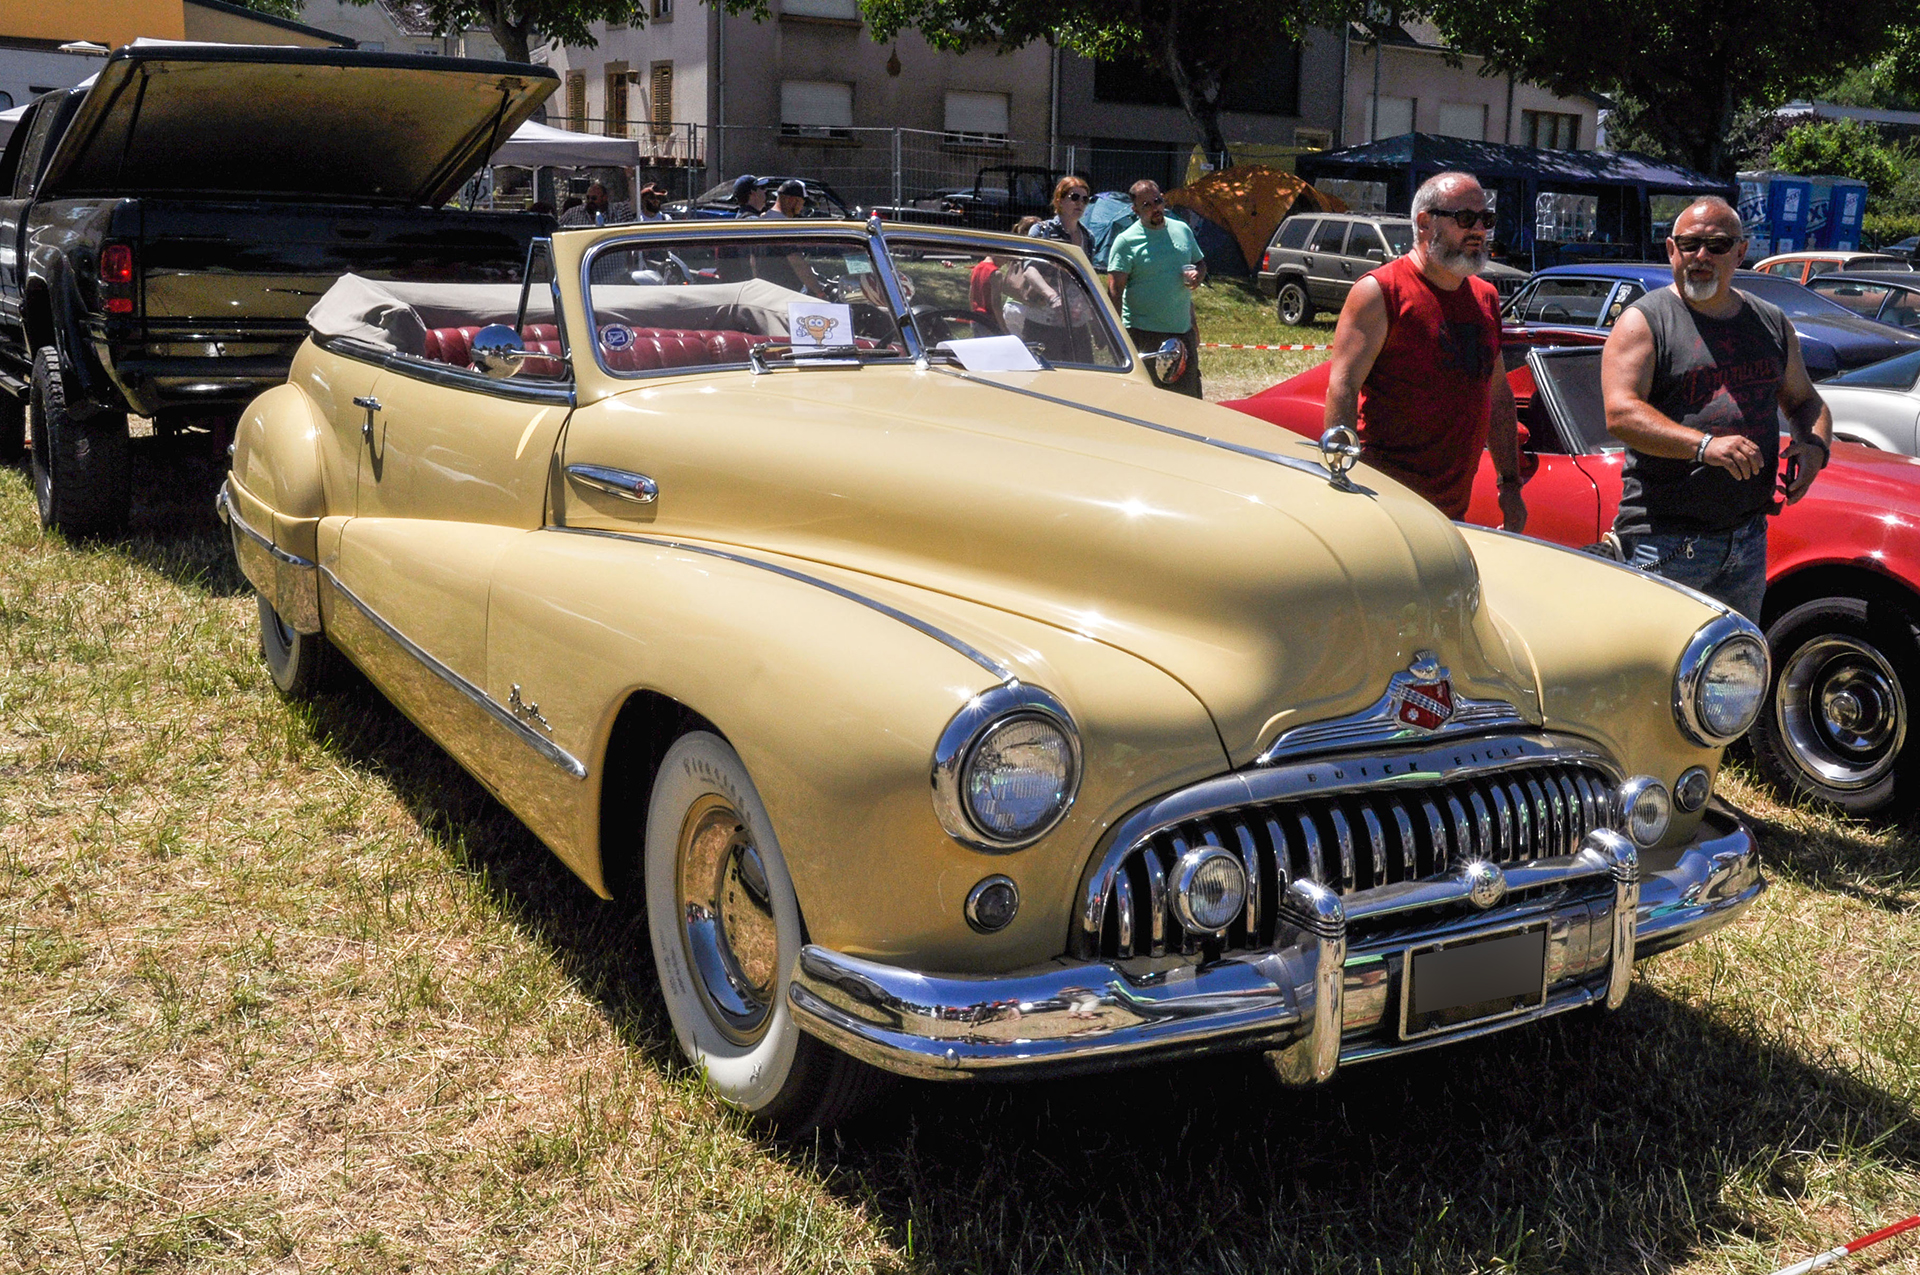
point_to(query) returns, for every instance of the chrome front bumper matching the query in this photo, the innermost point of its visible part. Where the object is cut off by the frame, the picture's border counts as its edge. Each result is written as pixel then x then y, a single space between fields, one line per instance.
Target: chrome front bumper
pixel 1315 1000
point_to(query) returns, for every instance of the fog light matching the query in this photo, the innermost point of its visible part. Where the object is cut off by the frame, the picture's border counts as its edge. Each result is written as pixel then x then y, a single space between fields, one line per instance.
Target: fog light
pixel 991 905
pixel 1645 810
pixel 1693 789
pixel 1209 889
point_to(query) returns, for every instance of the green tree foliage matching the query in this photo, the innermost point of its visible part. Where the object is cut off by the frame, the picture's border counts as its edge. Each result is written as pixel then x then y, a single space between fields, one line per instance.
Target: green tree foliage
pixel 516 24
pixel 1842 148
pixel 276 8
pixel 1684 76
pixel 1200 44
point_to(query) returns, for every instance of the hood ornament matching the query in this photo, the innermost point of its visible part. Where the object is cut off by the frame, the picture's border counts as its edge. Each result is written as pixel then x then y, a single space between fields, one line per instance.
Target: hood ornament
pixel 1419 701
pixel 1339 452
pixel 1423 695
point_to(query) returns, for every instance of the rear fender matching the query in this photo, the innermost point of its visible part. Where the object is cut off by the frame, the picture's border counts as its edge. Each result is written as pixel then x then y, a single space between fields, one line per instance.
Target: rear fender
pixel 274 501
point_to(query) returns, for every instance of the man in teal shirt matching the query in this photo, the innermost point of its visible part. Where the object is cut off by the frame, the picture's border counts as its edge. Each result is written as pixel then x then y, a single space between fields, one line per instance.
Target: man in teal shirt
pixel 1152 267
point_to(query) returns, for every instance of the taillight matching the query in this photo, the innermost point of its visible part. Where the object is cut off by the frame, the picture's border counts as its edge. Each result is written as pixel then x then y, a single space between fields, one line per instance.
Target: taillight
pixel 1266 260
pixel 116 278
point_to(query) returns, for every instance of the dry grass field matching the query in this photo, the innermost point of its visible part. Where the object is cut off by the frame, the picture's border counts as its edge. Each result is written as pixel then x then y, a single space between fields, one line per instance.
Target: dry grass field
pixel 284 990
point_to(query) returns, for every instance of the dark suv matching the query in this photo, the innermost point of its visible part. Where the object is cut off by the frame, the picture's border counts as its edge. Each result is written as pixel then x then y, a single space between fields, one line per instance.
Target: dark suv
pixel 1314 258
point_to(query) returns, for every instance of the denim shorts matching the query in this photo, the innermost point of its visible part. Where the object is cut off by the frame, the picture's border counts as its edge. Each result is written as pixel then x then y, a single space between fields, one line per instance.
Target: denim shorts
pixel 1730 566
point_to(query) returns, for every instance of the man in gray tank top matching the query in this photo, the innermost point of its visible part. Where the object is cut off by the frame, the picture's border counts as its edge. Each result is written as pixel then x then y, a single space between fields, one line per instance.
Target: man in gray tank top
pixel 1696 378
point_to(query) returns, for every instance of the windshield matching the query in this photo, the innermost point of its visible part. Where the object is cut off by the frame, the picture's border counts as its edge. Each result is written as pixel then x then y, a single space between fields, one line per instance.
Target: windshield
pixel 1575 378
pixel 1798 302
pixel 666 304
pixel 959 291
pixel 1896 373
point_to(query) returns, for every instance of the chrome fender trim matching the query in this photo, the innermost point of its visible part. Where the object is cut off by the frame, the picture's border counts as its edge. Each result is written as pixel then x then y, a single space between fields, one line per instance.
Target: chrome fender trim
pixel 500 713
pixel 289 583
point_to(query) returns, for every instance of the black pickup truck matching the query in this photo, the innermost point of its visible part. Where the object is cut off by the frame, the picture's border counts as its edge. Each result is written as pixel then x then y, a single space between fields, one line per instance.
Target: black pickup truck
pixel 164 231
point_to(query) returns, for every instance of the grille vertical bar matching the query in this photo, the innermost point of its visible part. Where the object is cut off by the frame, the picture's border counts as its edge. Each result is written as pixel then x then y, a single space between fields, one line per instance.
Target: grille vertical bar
pixel 1354 841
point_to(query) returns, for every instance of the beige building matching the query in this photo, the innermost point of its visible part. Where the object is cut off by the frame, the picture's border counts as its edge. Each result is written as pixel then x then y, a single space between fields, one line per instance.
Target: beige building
pixel 808 92
pixel 1399 81
pixel 396 26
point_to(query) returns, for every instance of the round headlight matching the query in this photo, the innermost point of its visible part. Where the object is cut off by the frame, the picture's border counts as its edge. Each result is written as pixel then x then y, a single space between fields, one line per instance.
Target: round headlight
pixel 1209 889
pixel 1016 778
pixel 1006 768
pixel 1693 788
pixel 1721 682
pixel 1645 810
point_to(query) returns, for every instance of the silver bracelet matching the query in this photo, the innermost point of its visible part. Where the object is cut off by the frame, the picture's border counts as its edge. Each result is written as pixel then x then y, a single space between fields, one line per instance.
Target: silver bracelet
pixel 1700 452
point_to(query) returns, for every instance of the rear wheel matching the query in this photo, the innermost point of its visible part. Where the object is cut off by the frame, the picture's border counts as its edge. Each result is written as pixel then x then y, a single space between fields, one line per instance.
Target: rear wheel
pixel 726 931
pixel 82 473
pixel 302 664
pixel 1836 726
pixel 1293 305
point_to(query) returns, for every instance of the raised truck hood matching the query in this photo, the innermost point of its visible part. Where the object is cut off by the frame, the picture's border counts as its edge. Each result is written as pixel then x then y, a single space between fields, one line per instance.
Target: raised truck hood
pixel 223 121
pixel 1275 598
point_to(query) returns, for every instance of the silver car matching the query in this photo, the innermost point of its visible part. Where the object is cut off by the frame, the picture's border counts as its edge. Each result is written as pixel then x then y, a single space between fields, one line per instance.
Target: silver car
pixel 1314 259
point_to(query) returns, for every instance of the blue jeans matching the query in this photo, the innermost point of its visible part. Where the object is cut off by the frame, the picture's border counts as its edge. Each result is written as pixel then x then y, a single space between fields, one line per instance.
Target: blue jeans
pixel 1729 566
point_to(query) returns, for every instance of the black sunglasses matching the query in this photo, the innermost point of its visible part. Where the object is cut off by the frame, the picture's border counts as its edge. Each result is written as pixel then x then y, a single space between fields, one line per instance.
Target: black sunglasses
pixel 1075 197
pixel 1467 218
pixel 1718 245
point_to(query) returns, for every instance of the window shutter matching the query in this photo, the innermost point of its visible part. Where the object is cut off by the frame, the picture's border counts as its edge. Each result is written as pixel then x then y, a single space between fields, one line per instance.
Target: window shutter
pixel 577 101
pixel 661 95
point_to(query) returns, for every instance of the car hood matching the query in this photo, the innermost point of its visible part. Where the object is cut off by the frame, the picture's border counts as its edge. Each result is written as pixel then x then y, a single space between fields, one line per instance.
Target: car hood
pixel 1857 341
pixel 1274 597
pixel 238 121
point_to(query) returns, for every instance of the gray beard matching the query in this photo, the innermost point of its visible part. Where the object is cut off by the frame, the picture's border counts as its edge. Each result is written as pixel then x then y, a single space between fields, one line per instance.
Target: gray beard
pixel 1459 260
pixel 1694 290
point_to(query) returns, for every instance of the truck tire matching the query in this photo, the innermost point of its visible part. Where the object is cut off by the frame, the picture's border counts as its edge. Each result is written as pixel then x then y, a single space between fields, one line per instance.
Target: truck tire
pixel 13 428
pixel 82 474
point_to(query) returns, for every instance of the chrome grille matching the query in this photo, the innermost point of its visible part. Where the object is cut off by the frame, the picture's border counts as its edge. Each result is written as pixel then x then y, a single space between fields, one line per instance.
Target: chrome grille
pixel 1352 841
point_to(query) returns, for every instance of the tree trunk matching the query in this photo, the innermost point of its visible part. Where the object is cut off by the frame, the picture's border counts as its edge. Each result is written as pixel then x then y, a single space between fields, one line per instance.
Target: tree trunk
pixel 1199 84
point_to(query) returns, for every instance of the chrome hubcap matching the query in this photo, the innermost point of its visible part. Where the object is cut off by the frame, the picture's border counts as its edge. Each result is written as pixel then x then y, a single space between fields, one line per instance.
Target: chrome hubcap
pixel 1842 711
pixel 726 919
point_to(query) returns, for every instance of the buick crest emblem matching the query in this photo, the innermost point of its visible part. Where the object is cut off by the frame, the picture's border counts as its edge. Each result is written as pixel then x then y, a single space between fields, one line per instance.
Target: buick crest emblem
pixel 1424 699
pixel 1486 883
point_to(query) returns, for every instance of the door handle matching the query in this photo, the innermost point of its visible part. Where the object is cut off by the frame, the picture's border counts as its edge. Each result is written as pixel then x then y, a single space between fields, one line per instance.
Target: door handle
pixel 1309 260
pixel 371 405
pixel 627 485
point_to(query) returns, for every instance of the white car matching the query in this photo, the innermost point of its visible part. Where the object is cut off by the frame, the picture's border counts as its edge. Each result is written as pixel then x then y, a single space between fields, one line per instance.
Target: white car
pixel 1879 404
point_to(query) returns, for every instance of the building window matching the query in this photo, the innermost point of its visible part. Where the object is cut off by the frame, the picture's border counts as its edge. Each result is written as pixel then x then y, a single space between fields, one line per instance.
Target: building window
pixel 1550 130
pixel 845 10
pixel 577 101
pixel 616 110
pixel 977 119
pixel 1266 85
pixel 660 98
pixel 816 108
pixel 1464 119
pixel 1313 139
pixel 1396 116
pixel 663 10
pixel 427 50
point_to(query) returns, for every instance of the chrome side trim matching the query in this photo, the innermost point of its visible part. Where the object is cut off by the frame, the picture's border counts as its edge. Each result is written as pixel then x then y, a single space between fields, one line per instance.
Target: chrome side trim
pixel 290 583
pixel 1311 998
pixel 1305 467
pixel 499 712
pixel 986 662
pixel 555 393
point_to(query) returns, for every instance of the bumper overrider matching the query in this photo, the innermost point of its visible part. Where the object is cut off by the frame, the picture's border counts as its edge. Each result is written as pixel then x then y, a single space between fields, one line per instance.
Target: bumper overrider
pixel 1331 989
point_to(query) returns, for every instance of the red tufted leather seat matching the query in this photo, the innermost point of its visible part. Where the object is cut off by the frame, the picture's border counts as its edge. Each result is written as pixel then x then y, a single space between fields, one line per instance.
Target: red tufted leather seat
pixel 650 350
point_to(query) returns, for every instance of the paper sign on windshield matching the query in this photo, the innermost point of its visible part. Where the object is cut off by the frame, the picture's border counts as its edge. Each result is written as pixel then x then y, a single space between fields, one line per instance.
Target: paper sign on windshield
pixel 993 354
pixel 819 325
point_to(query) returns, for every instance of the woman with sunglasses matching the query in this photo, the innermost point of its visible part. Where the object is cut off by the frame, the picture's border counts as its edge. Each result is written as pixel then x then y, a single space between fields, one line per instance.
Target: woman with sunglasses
pixel 1057 313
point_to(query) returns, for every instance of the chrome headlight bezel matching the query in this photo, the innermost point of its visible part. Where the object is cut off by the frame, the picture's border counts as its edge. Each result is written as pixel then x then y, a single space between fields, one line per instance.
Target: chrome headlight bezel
pixel 976 719
pixel 1713 639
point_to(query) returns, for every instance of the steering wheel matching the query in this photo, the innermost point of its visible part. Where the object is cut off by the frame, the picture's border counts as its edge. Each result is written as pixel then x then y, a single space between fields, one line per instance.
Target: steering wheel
pixel 1554 313
pixel 937 325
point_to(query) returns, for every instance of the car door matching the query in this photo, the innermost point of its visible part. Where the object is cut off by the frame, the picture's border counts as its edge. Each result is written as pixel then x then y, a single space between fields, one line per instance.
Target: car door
pixel 1326 280
pixel 1563 504
pixel 1365 251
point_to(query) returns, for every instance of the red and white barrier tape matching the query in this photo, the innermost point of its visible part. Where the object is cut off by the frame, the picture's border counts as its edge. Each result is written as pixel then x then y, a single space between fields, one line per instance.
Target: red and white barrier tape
pixel 1215 345
pixel 1848 1249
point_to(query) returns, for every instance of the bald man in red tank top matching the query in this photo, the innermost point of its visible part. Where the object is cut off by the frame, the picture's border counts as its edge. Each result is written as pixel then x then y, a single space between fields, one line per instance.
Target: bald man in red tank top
pixel 1416 358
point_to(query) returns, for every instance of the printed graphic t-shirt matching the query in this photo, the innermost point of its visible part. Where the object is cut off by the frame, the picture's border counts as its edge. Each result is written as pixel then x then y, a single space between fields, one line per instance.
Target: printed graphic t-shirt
pixel 1425 404
pixel 1156 299
pixel 1721 376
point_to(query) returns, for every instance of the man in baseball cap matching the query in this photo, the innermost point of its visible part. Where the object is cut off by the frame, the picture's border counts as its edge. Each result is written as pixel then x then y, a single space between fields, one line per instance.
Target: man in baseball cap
pixel 749 196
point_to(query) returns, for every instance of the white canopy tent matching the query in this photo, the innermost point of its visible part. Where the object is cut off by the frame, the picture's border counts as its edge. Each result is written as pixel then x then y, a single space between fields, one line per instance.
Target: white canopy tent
pixel 540 146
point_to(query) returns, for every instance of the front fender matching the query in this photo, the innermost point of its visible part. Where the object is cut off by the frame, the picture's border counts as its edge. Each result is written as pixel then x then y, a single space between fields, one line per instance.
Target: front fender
pixel 1605 667
pixel 835 707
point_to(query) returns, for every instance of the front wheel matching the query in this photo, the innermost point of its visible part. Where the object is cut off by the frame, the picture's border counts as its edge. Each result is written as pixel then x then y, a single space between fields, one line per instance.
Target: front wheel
pixel 1293 305
pixel 1836 724
pixel 726 931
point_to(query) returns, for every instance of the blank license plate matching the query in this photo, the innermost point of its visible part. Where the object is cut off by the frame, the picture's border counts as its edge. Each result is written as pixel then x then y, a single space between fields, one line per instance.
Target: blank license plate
pixel 1483 978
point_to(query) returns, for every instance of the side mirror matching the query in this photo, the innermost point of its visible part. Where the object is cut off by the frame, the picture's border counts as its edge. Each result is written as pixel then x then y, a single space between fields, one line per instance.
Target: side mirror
pixel 497 351
pixel 1169 362
pixel 1376 254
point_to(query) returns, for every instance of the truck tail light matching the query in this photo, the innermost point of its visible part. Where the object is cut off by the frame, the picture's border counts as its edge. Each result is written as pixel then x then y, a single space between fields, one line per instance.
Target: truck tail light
pixel 116 277
pixel 1266 260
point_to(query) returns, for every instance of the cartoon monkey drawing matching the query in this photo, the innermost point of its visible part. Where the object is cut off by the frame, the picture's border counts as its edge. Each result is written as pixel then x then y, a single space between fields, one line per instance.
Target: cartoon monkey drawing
pixel 818 327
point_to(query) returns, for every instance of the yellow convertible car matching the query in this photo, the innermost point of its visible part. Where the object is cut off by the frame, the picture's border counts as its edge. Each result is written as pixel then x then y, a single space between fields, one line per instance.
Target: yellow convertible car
pixel 962 704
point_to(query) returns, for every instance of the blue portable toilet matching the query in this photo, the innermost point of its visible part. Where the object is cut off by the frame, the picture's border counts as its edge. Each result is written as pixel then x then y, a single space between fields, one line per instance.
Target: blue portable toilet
pixel 1774 208
pixel 1837 206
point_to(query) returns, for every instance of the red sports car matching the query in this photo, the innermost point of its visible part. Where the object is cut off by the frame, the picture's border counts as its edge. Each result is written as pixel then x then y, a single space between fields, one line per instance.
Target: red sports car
pixel 1843 576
